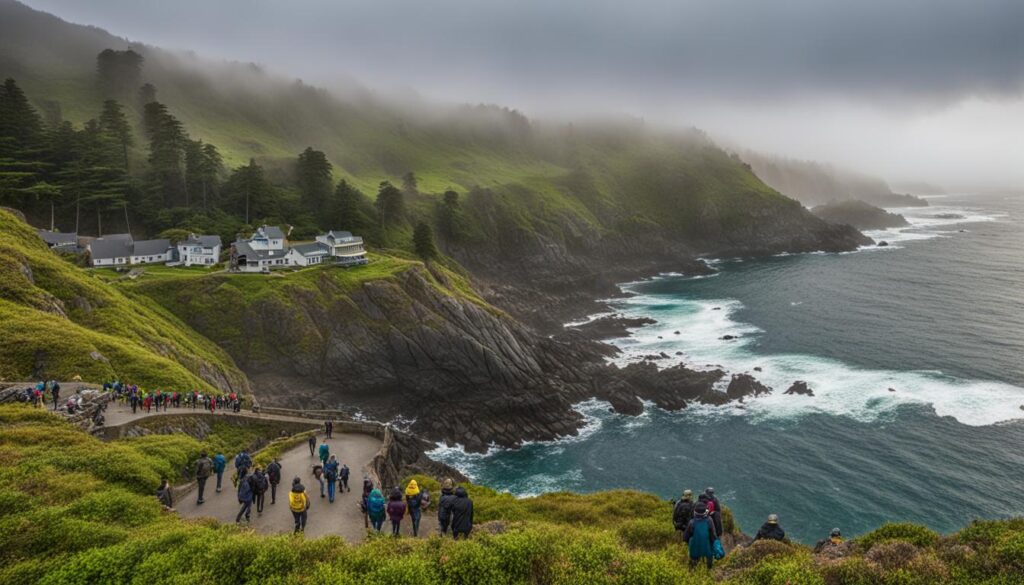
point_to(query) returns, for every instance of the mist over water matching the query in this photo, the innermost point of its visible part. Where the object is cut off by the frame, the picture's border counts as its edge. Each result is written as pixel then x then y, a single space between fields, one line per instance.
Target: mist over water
pixel 937 316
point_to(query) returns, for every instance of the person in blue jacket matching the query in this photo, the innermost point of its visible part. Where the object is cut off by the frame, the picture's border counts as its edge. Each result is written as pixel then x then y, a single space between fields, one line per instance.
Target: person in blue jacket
pixel 700 536
pixel 219 464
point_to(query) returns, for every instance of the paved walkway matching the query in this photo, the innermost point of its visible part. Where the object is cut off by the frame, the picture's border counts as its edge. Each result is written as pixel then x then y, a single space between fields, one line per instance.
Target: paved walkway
pixel 343 517
pixel 117 415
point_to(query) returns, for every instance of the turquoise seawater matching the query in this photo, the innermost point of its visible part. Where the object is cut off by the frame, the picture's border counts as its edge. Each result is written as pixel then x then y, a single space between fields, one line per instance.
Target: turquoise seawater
pixel 915 352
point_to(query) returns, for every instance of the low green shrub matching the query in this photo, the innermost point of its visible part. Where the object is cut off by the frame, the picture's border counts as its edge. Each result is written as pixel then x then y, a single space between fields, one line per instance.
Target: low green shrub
pixel 914 534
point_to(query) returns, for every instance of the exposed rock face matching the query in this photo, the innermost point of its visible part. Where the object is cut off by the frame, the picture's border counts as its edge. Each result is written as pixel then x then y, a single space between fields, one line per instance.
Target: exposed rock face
pixel 800 388
pixel 402 455
pixel 743 385
pixel 613 326
pixel 859 214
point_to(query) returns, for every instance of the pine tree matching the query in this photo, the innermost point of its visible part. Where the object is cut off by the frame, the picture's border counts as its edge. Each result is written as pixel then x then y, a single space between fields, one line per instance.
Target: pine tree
pixel 167 141
pixel 313 177
pixel 410 184
pixel 250 193
pixel 115 123
pixel 423 240
pixel 390 204
pixel 353 210
pixel 21 128
pixel 450 216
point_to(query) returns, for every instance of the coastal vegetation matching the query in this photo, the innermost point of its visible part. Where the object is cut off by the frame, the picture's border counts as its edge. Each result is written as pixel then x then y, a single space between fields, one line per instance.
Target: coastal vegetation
pixel 74 509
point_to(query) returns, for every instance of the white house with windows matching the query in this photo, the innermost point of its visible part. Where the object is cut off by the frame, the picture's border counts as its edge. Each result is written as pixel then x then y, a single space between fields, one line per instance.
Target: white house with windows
pixel 266 250
pixel 268 237
pixel 199 250
pixel 60 241
pixel 343 247
pixel 309 254
pixel 152 252
pixel 112 250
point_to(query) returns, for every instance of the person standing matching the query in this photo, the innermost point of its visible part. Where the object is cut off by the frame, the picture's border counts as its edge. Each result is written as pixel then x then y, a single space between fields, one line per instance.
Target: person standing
pixel 204 467
pixel 55 391
pixel 343 479
pixel 246 492
pixel 219 464
pixel 331 474
pixel 376 509
pixel 396 511
pixel 771 530
pixel 700 536
pixel 163 493
pixel 462 514
pixel 259 488
pixel 242 464
pixel 413 501
pixel 444 505
pixel 312 445
pixel 298 503
pixel 274 475
pixel 325 452
pixel 329 428
pixel 715 509
pixel 365 503
pixel 682 513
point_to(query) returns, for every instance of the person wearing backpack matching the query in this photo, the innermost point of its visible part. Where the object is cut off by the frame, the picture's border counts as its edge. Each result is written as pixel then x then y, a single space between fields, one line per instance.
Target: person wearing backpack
pixel 376 509
pixel 343 479
pixel 325 452
pixel 204 467
pixel 243 463
pixel 298 503
pixel 771 530
pixel 462 514
pixel 364 502
pixel 274 476
pixel 246 492
pixel 414 503
pixel 396 510
pixel 700 536
pixel 312 445
pixel 260 483
pixel 715 509
pixel 331 473
pixel 444 505
pixel 219 464
pixel 683 511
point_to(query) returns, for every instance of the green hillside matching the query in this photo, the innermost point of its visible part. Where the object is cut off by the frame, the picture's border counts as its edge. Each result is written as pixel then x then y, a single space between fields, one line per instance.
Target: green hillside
pixel 60 321
pixel 75 510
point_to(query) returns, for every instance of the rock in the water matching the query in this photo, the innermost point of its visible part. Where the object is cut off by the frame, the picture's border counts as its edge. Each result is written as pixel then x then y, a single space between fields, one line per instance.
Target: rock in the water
pixel 757 368
pixel 892 389
pixel 883 244
pixel 800 387
pixel 676 332
pixel 743 385
pixel 728 337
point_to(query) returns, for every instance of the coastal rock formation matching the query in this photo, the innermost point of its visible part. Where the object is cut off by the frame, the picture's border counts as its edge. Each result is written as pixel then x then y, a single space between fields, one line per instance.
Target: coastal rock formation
pixel 859 214
pixel 612 326
pixel 743 385
pixel 799 388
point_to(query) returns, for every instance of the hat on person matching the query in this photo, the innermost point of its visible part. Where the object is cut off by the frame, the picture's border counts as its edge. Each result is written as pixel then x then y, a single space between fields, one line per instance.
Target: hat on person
pixel 687 493
pixel 448 483
pixel 773 518
pixel 709 491
pixel 835 533
pixel 700 509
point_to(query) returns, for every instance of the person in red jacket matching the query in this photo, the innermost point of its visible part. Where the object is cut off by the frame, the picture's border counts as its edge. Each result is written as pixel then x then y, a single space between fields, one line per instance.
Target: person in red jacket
pixel 396 511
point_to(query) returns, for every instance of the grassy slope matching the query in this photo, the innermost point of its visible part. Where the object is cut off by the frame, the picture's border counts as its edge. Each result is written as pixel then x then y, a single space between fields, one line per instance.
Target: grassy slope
pixel 141 341
pixel 76 510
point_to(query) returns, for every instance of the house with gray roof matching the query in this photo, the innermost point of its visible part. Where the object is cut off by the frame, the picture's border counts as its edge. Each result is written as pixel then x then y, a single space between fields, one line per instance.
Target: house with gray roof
pixel 60 241
pixel 152 252
pixel 199 250
pixel 343 247
pixel 309 254
pixel 112 250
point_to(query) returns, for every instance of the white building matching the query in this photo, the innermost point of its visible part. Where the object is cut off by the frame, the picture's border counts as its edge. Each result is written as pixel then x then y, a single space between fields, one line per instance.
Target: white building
pixel 199 250
pixel 264 251
pixel 307 254
pixel 268 237
pixel 112 250
pixel 59 241
pixel 151 252
pixel 343 247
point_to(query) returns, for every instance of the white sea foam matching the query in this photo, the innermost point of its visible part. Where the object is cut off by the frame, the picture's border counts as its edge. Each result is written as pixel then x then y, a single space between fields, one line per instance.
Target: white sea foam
pixel 839 388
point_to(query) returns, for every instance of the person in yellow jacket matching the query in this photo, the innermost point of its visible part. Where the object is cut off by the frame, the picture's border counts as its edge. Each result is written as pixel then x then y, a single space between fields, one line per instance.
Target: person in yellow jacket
pixel 415 503
pixel 298 502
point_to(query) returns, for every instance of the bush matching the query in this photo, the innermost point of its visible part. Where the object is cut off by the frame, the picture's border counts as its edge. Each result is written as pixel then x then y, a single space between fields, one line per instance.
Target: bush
pixel 648 534
pixel 116 506
pixel 914 534
pixel 892 555
pixel 749 556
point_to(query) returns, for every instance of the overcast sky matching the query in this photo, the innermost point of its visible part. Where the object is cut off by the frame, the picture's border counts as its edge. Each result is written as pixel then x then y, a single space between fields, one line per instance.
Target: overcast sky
pixel 925 90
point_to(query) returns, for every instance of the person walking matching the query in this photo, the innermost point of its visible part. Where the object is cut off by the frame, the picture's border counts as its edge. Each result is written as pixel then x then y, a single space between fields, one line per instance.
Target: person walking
pixel 325 452
pixel 298 503
pixel 329 429
pixel 55 391
pixel 376 509
pixel 204 467
pixel 683 511
pixel 274 476
pixel 163 493
pixel 461 514
pixel 396 510
pixel 771 530
pixel 413 503
pixel 715 510
pixel 243 463
pixel 700 536
pixel 312 445
pixel 365 501
pixel 260 484
pixel 246 492
pixel 331 474
pixel 444 505
pixel 343 479
pixel 219 464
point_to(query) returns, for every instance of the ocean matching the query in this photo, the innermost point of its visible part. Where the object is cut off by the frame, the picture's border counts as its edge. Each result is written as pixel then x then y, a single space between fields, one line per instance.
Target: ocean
pixel 915 354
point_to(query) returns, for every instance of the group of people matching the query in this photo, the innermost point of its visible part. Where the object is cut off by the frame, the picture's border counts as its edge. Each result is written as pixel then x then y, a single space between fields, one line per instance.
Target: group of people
pixel 43 392
pixel 138 399
pixel 700 521
pixel 454 508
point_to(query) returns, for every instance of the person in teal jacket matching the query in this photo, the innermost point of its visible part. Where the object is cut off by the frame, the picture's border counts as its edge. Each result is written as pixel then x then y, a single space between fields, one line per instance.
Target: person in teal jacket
pixel 376 509
pixel 325 453
pixel 700 536
pixel 219 463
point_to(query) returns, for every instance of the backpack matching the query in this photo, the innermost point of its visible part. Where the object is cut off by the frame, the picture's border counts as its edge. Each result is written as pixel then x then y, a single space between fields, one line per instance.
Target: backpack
pixel 375 506
pixel 424 498
pixel 711 506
